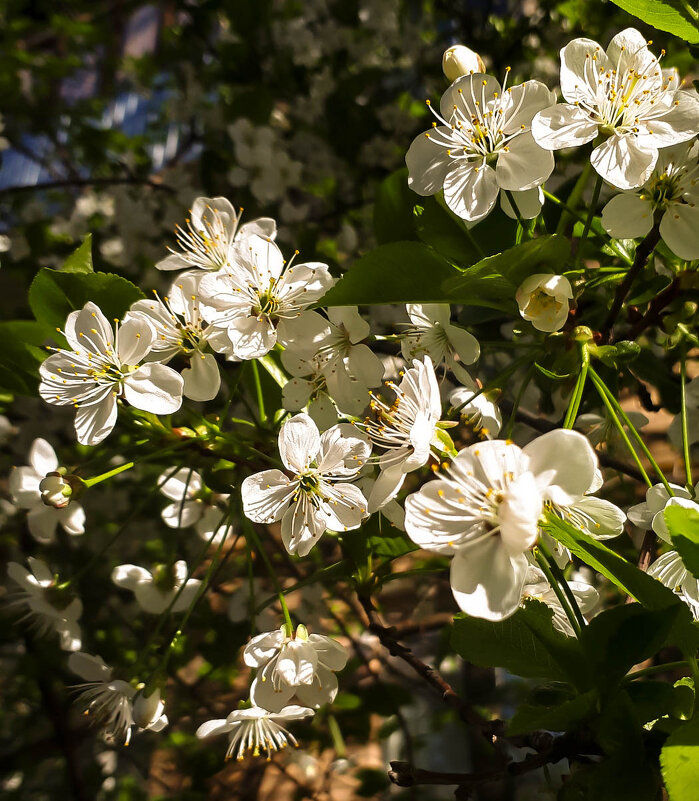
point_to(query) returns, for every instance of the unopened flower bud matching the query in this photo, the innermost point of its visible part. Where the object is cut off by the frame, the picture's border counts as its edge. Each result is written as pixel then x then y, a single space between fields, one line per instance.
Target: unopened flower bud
pixel 543 300
pixel 147 710
pixel 461 60
pixel 55 491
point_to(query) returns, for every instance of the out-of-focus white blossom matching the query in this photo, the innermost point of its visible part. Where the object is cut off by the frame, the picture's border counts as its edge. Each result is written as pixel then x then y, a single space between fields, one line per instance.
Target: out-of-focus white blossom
pixel 155 591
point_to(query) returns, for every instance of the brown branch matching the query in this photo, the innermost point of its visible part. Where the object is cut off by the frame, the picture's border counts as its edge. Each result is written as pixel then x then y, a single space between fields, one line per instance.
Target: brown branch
pixel 78 182
pixel 643 252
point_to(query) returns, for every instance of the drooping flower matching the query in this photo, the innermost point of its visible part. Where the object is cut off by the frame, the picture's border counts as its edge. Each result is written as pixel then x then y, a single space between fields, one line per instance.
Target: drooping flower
pixel 258 297
pixel 482 144
pixel 536 586
pixel 602 429
pixel 27 493
pixel 318 496
pixel 670 570
pixel 478 410
pixel 212 231
pixel 650 513
pixel 670 194
pixel 624 96
pixel 459 60
pixel 255 730
pixel 433 334
pixel 181 331
pixel 299 665
pixel 307 389
pixel 406 430
pixel 102 366
pixel 47 605
pixel 485 511
pixel 155 591
pixel 194 504
pixel 544 300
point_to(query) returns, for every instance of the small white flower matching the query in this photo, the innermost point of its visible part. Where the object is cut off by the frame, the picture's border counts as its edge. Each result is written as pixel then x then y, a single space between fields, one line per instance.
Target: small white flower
pixel 544 300
pixel 302 665
pixel 148 711
pixel 155 591
pixel 193 504
pixel 485 512
pixel 101 367
pixel 48 606
pixel 670 570
pixel 624 96
pixel 212 230
pixel 483 144
pixel 307 389
pixel 599 429
pixel 255 730
pixel 460 60
pixel 25 488
pixel 536 586
pixel 476 409
pixel 433 334
pixel 650 513
pixel 671 194
pixel 181 330
pixel 55 491
pixel 241 605
pixel 258 297
pixel 318 496
pixel 406 430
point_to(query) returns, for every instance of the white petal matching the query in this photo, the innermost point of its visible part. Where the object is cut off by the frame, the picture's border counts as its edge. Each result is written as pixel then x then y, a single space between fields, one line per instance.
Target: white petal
pixel 94 423
pixel 528 203
pixel 296 393
pixel 470 93
pixel 302 526
pixel 24 487
pixel 133 340
pixel 562 126
pixel 88 667
pixel 627 216
pixel 524 164
pixel 72 519
pixel 154 388
pixel 183 483
pixel 183 514
pixel 563 463
pixel 343 450
pixel 212 728
pixel 266 496
pixel 88 329
pixel 470 191
pixel 299 443
pixel 580 60
pixel 263 647
pixel 428 163
pixel 252 337
pixel 321 691
pixel 679 229
pixel 42 457
pixel 386 487
pixel 522 102
pixel 680 124
pixel 202 379
pixel 608 519
pixel 130 576
pixel 623 161
pixel 42 522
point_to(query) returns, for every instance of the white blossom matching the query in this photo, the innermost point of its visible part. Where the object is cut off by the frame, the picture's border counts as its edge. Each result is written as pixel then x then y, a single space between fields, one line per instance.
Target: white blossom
pixel 459 60
pixel 478 410
pixel 669 569
pixel 212 230
pixel 193 504
pixel 25 488
pixel 544 300
pixel 102 366
pixel 650 513
pixel 299 665
pixel 318 496
pixel 47 605
pixel 624 97
pixel 671 195
pixel 482 144
pixel 536 586
pixel 155 591
pixel 255 730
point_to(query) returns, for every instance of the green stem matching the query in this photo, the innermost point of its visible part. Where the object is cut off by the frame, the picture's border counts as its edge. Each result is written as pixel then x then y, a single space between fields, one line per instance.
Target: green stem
pixel 588 222
pixel 258 391
pixel 685 431
pixel 576 398
pixel 518 399
pixel 495 382
pixel 272 574
pixel 563 600
pixel 649 671
pixel 337 738
pixel 90 482
pixel 522 228
pixel 558 574
pixel 575 195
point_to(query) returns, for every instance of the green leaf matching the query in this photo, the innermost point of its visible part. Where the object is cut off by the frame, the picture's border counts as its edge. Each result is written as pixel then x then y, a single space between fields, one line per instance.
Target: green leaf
pixel 494 280
pixel 54 294
pixel 80 260
pixel 679 762
pixel 683 525
pixel 398 272
pixel 651 699
pixel 22 353
pixel 525 644
pixel 562 717
pixel 393 209
pixel 678 17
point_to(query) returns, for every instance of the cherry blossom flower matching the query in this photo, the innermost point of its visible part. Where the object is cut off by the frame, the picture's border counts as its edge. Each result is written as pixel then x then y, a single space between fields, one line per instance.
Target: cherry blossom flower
pixel 26 490
pixel 318 496
pixel 307 389
pixel 255 730
pixel 671 194
pixel 181 331
pixel 544 300
pixel 623 96
pixel 482 144
pixel 102 366
pixel 670 570
pixel 110 701
pixel 258 297
pixel 155 591
pixel 299 665
pixel 194 504
pixel 212 231
pixel 406 430
pixel 649 514
pixel 432 333
pixel 476 409
pixel 536 586
pixel 48 606
pixel 485 511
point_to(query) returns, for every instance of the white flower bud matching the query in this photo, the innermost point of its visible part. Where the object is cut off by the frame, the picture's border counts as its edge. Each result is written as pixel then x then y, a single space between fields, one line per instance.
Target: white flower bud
pixel 543 300
pixel 55 491
pixel 148 711
pixel 461 60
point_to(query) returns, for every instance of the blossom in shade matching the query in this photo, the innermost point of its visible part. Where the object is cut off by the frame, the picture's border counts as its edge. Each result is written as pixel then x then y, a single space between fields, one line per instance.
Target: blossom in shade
pixel 485 511
pixel 307 389
pixel 477 410
pixel 27 493
pixel 318 495
pixel 670 195
pixel 649 514
pixel 670 570
pixel 544 300
pixel 626 98
pixel 194 504
pixel 299 665
pixel 481 144
pixel 155 591
pixel 257 298
pixel 536 586
pixel 46 604
pixel 433 334
pixel 102 366
pixel 211 233
pixel 255 730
